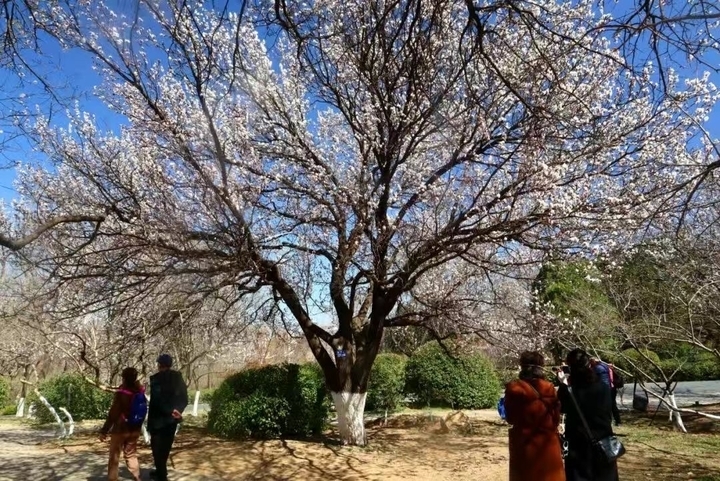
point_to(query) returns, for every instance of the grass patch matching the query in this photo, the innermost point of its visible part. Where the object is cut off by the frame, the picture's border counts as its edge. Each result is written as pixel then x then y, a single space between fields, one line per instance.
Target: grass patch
pixel 656 451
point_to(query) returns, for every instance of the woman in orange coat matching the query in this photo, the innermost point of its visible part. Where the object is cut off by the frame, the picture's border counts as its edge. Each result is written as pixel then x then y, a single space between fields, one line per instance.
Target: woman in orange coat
pixel 533 410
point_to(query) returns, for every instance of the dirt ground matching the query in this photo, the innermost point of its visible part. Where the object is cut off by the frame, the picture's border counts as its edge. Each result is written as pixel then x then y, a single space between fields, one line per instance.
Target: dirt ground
pixel 415 446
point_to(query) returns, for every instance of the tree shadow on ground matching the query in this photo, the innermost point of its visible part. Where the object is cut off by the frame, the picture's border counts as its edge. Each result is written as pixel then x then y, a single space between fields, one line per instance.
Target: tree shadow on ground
pixel 409 447
pixel 263 460
pixel 58 467
pixel 422 447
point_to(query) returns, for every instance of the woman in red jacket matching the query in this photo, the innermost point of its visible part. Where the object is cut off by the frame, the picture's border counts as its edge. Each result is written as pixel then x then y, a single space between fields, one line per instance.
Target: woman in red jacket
pixel 123 435
pixel 533 410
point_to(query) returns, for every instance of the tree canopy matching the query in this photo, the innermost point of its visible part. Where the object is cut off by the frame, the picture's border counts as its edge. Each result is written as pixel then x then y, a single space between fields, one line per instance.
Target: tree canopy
pixel 339 159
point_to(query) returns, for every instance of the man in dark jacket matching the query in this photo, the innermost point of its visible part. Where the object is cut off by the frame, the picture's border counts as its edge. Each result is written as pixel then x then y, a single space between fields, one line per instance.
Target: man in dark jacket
pixel 168 400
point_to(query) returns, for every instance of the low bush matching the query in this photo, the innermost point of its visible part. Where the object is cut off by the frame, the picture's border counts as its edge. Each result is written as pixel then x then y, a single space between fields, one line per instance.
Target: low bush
pixel 81 399
pixel 506 375
pixel 270 402
pixel 632 361
pixel 464 381
pixel 701 367
pixel 387 383
pixel 206 395
pixel 5 393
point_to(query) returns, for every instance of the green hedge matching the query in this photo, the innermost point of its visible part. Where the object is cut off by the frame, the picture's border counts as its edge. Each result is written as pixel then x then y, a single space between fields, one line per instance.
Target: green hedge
pixel 5 393
pixel 206 395
pixel 387 383
pixel 704 367
pixel 460 382
pixel 81 399
pixel 270 402
pixel 631 360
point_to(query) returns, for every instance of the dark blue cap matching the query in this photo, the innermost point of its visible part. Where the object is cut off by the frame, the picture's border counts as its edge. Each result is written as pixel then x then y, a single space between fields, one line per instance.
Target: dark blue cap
pixel 165 360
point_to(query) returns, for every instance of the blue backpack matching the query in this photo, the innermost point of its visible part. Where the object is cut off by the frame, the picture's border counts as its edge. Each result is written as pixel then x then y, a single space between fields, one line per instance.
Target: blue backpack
pixel 501 408
pixel 138 408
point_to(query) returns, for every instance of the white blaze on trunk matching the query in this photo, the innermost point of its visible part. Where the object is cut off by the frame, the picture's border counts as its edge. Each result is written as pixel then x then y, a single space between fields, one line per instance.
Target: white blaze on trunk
pixel 195 404
pixel 350 409
pixel 20 408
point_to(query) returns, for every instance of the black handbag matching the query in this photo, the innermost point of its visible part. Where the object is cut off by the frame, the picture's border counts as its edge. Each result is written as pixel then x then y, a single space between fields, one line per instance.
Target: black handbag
pixel 607 450
pixel 640 402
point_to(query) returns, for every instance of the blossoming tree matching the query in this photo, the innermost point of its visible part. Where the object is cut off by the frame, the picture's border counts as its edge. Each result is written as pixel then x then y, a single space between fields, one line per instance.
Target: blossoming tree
pixel 341 158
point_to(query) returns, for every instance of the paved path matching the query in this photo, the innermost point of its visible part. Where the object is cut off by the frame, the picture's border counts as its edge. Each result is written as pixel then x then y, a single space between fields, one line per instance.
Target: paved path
pixel 703 392
pixel 687 394
pixel 23 459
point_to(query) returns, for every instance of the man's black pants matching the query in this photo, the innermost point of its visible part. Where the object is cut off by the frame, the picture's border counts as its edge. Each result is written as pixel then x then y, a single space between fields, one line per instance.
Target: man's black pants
pixel 161 441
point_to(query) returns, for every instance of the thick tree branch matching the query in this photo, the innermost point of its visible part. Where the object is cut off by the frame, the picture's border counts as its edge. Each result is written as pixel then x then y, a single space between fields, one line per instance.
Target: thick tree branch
pixel 17 244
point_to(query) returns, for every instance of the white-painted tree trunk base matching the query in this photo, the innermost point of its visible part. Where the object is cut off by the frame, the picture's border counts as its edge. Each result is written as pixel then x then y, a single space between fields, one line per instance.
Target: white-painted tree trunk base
pixel 350 409
pixel 676 416
pixel 195 404
pixel 20 408
pixel 71 429
pixel 145 433
pixel 62 431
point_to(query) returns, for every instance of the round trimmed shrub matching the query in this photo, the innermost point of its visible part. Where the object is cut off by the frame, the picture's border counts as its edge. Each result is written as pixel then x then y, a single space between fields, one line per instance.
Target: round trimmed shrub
pixel 462 382
pixel 387 383
pixel 71 391
pixel 270 402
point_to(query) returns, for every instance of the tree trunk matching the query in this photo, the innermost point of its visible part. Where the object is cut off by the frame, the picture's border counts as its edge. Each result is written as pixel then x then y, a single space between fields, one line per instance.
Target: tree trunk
pixel 71 429
pixel 676 416
pixel 195 404
pixel 350 409
pixel 145 433
pixel 61 425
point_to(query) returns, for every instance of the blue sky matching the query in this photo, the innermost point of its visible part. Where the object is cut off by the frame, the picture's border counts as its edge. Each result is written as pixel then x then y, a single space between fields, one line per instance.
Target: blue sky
pixel 71 71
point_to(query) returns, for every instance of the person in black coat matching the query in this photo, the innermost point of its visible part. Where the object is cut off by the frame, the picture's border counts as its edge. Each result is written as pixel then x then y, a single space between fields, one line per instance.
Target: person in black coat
pixel 168 400
pixel 594 398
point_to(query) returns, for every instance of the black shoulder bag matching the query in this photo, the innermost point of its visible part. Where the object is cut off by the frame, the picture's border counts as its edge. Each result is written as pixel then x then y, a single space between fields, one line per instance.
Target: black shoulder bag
pixel 640 403
pixel 606 450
